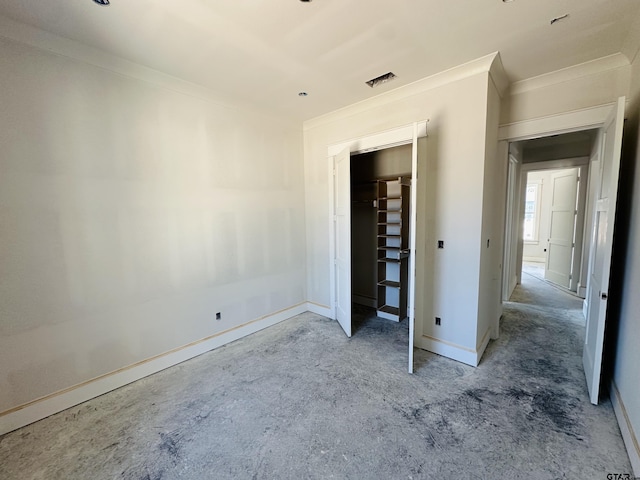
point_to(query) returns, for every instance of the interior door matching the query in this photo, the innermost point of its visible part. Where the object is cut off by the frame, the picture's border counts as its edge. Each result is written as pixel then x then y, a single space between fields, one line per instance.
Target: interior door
pixel 564 189
pixel 413 217
pixel 342 219
pixel 601 243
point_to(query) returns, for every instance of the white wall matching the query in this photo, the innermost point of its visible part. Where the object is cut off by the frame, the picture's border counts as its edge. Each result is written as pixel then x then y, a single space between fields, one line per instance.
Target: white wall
pixel 452 198
pixel 596 83
pixel 627 357
pixel 493 225
pixel 130 214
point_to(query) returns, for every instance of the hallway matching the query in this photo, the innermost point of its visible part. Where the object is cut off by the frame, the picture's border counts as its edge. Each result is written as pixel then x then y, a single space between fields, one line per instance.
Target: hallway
pixel 301 400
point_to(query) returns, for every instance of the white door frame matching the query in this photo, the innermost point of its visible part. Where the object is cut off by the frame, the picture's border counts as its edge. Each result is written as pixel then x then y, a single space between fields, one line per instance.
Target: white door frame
pixel 593 118
pixel 389 138
pixel 586 119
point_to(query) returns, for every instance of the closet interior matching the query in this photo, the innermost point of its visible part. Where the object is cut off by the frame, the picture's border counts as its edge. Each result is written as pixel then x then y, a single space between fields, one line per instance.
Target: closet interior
pixel 380 199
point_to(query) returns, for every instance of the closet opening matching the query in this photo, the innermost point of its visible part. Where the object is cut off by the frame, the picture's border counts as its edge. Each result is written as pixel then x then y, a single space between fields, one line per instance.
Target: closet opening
pixel 380 233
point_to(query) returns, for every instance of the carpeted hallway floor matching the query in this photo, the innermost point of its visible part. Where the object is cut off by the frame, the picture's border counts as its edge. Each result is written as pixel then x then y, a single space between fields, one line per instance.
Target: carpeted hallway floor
pixel 300 400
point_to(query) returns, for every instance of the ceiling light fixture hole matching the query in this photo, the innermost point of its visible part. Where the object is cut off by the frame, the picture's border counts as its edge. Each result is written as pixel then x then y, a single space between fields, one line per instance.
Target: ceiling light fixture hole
pixel 103 3
pixel 303 94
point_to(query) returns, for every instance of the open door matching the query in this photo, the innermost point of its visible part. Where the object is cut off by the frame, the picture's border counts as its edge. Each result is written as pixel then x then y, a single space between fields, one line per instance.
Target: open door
pixel 342 219
pixel 564 185
pixel 411 300
pixel 601 243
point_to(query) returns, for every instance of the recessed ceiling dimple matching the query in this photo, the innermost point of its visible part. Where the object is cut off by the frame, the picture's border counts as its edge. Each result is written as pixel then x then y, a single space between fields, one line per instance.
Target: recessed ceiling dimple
pixel 374 82
pixel 104 3
pixel 303 94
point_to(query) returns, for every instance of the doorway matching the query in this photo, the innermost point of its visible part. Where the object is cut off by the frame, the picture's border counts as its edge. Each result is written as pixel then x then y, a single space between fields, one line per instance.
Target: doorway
pixel 380 232
pixel 340 231
pixel 601 196
pixel 553 223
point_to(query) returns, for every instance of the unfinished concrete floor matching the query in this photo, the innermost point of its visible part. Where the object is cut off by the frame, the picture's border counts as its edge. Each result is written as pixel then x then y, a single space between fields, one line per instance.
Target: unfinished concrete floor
pixel 301 400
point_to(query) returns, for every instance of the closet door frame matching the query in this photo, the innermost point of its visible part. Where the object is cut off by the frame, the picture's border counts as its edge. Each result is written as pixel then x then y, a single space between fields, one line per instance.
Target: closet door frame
pixel 404 135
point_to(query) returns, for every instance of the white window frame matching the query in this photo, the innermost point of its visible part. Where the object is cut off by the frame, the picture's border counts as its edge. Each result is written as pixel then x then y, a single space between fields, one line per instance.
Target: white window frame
pixel 536 221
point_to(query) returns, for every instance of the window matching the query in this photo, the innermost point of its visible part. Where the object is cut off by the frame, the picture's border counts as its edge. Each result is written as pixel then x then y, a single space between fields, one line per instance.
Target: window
pixel 531 212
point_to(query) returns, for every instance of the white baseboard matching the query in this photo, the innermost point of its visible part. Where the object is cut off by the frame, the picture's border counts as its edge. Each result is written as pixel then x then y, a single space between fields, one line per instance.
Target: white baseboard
pixel 320 309
pixel 483 345
pixel 451 350
pixel 56 402
pixel 581 291
pixel 628 435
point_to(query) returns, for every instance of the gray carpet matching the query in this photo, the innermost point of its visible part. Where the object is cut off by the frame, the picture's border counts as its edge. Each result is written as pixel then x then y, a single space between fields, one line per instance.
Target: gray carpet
pixel 300 400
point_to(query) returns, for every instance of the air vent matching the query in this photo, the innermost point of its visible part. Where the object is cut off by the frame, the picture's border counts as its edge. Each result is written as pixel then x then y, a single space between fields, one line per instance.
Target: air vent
pixel 387 77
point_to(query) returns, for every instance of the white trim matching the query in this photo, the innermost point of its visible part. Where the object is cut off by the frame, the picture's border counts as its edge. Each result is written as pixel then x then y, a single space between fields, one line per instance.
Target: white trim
pixel 538 206
pixel 388 316
pixel 592 67
pixel 593 117
pixel 628 435
pixel 377 141
pixel 418 129
pixel 452 350
pixel 56 402
pixel 332 238
pixel 318 309
pixel 498 76
pixel 560 164
pixel 469 69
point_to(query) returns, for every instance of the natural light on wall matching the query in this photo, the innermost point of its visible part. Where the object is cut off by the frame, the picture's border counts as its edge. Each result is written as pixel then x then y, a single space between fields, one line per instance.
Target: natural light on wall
pixel 531 212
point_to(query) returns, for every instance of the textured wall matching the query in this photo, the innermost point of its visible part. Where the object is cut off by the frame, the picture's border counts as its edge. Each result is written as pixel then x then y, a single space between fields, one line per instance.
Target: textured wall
pixel 129 215
pixel 450 192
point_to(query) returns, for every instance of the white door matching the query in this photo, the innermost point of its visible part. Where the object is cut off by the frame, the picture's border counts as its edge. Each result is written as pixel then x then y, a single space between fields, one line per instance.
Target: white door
pixel 413 204
pixel 564 189
pixel 601 243
pixel 342 219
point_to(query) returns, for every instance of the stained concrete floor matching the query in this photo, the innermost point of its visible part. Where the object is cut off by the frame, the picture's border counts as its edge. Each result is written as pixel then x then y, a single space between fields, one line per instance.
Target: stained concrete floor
pixel 301 400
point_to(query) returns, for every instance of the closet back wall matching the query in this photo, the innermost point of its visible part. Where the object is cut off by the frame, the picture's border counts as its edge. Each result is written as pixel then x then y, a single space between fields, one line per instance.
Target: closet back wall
pixel 130 214
pixel 366 168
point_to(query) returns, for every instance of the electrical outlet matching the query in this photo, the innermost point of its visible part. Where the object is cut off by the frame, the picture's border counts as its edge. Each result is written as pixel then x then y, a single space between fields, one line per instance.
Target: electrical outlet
pixel 438 321
pixel 440 243
pixel 218 316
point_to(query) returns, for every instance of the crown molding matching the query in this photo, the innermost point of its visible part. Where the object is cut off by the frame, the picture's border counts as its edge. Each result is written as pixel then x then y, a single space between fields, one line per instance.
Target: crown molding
pixel 499 76
pixel 474 67
pixel 599 65
pixel 39 39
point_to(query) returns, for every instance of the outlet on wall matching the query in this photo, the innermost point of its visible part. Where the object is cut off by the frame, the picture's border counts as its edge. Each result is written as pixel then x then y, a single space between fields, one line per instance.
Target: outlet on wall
pixel 218 316
pixel 438 321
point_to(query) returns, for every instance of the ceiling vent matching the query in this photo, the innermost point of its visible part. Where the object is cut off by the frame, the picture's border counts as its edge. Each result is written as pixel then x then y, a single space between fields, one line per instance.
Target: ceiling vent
pixel 387 77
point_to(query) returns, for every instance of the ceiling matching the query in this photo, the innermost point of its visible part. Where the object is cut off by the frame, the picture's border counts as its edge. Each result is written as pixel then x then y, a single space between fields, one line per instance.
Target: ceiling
pixel 264 52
